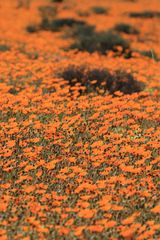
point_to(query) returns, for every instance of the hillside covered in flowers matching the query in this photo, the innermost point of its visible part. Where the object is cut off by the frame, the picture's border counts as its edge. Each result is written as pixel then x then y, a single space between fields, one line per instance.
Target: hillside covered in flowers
pixel 79 119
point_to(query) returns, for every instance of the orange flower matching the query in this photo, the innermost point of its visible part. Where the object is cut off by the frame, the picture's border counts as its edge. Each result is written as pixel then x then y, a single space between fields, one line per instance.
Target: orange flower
pixel 74 143
pixel 39 173
pixel 51 165
pixel 127 233
pixel 29 189
pixel 11 143
pixel 78 230
pixel 95 228
pixel 86 213
pixel 97 144
pixel 110 224
pixel 156 209
pixel 63 230
pixel 69 222
pixel 130 219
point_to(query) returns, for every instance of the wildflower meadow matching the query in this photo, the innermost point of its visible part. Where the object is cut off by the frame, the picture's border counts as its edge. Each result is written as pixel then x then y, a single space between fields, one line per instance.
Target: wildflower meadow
pixel 79 120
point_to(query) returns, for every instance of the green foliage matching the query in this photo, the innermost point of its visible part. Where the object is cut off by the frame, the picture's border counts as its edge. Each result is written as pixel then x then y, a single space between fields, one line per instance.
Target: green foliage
pixel 98 41
pixel 32 55
pixel 4 48
pixel 47 12
pixel 150 54
pixel 45 24
pixel 99 10
pixel 125 82
pixel 118 81
pixel 145 14
pixel 58 24
pixel 126 28
pixel 82 13
pixel 31 28
pixel 80 31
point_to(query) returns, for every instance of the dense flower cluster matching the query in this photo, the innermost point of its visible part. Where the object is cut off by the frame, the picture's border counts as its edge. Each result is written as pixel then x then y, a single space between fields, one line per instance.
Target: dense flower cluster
pixel 77 165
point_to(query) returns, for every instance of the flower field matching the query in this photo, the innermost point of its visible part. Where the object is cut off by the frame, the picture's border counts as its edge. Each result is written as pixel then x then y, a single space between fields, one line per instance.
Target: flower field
pixel 79 120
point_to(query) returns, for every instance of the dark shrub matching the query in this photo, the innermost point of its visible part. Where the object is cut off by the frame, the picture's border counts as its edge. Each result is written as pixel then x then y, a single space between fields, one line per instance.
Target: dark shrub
pixel 4 48
pixel 145 14
pixel 47 12
pixel 128 54
pixel 57 24
pixel 13 91
pixel 126 28
pixel 82 13
pixel 56 1
pixel 45 24
pixel 81 30
pixel 31 28
pixel 109 40
pixel 125 83
pixel 72 73
pixel 119 81
pixel 101 42
pixel 84 76
pixel 99 10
